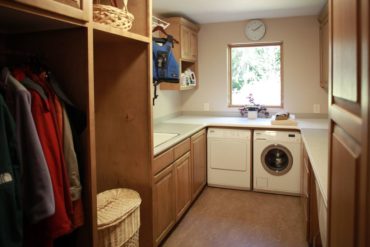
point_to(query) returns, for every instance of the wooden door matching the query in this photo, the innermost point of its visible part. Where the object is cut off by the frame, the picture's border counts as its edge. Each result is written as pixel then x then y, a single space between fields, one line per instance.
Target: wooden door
pixel 348 96
pixel 183 184
pixel 199 162
pixel 164 203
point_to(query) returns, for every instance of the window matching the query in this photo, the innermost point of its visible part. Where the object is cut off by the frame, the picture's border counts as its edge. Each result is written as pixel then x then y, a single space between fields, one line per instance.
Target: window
pixel 255 70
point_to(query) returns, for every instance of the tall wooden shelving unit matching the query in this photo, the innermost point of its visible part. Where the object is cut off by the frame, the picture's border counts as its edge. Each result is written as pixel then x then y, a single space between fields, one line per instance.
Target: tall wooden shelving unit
pixel 107 73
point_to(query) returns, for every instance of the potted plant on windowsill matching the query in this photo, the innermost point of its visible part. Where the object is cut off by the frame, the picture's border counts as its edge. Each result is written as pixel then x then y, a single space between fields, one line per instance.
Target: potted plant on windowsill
pixel 253 110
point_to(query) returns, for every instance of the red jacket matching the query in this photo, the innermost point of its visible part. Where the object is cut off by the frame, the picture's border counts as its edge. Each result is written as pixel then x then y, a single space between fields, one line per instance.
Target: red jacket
pixel 44 115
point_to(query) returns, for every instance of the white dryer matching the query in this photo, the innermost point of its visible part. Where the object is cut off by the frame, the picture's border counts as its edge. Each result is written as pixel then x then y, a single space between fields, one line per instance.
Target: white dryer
pixel 229 158
pixel 277 162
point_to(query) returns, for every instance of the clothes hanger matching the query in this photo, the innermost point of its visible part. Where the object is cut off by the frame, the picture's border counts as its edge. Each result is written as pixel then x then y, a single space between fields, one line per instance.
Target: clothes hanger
pixel 161 29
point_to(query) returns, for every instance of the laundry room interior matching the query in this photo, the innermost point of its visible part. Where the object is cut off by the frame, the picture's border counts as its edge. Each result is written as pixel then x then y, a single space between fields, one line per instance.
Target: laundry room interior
pixel 184 123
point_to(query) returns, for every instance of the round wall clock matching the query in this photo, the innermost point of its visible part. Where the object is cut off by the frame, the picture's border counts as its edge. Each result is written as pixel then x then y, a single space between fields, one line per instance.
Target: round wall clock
pixel 255 30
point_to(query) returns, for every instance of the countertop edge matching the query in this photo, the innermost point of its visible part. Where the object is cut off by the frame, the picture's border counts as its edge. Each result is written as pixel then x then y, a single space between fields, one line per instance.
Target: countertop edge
pixel 171 143
pixel 314 168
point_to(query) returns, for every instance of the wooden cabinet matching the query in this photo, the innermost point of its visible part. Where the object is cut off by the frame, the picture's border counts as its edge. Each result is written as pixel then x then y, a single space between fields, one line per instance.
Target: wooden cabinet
pixel 194 45
pixel 171 188
pixel 179 176
pixel 77 9
pixel 324 48
pixel 309 202
pixel 199 162
pixel 183 184
pixel 87 60
pixel 314 238
pixel 186 53
pixel 189 44
pixel 115 147
pixel 171 194
pixel 164 202
pixel 349 194
pixel 305 190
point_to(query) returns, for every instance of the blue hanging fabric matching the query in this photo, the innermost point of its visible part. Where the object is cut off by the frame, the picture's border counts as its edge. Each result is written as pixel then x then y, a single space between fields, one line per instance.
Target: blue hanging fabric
pixel 165 66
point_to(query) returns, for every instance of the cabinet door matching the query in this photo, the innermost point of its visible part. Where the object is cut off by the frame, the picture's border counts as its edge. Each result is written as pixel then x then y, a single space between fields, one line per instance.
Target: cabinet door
pixel 314 228
pixel 349 128
pixel 185 43
pixel 199 161
pixel 77 9
pixel 194 45
pixel 305 187
pixel 183 184
pixel 164 203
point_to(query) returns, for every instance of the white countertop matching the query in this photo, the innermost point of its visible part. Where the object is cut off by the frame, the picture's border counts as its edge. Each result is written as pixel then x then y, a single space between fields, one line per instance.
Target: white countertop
pixel 316 142
pixel 314 135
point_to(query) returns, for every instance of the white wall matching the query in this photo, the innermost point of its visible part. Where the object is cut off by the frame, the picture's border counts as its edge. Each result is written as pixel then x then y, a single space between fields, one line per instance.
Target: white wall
pixel 167 103
pixel 300 37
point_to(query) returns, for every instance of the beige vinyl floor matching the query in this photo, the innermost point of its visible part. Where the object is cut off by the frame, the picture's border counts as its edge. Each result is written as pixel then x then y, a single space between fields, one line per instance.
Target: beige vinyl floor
pixel 234 218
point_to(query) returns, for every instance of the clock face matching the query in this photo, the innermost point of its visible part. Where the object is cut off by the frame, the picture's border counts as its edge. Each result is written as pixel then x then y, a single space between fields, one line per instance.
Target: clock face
pixel 255 30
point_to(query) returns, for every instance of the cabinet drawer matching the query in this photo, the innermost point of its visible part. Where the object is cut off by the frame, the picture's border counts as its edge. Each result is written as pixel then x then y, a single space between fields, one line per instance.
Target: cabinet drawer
pixel 181 149
pixel 163 160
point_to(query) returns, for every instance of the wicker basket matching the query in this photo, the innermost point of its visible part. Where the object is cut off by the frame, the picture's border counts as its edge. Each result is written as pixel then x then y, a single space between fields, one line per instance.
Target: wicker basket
pixel 118 218
pixel 112 16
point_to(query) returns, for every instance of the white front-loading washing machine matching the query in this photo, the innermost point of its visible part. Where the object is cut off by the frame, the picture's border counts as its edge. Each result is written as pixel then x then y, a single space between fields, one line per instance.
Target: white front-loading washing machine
pixel 277 162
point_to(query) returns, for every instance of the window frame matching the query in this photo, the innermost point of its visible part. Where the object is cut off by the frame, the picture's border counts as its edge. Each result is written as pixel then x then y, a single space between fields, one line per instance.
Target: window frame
pixel 230 46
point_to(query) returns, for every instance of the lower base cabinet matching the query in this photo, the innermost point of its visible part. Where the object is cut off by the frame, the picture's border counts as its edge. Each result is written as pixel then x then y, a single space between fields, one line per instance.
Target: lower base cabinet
pixel 183 184
pixel 179 176
pixel 199 162
pixel 309 201
pixel 164 203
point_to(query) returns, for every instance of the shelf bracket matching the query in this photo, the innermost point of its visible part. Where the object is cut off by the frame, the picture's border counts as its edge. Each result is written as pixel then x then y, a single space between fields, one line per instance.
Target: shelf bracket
pixel 155 96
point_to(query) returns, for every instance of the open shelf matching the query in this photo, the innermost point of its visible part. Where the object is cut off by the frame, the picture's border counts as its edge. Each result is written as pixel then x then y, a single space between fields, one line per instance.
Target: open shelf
pixel 122 120
pixel 65 52
pixel 118 32
pixel 106 73
pixel 141 24
pixel 175 86
pixel 13 20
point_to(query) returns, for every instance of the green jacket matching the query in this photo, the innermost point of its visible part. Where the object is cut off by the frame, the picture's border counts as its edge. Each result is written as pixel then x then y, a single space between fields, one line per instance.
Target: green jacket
pixel 10 204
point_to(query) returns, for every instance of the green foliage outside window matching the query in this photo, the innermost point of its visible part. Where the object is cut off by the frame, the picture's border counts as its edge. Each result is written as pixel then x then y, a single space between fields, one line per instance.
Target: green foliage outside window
pixel 251 65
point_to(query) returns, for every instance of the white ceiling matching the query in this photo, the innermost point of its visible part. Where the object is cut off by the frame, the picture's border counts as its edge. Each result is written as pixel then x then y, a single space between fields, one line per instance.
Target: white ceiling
pixel 209 11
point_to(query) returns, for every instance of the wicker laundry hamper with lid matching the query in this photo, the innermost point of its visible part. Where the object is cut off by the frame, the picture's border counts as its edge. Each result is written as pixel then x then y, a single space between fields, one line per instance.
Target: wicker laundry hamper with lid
pixel 118 218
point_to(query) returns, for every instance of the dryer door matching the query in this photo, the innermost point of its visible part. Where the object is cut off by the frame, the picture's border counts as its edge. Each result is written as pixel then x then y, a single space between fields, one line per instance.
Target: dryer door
pixel 277 159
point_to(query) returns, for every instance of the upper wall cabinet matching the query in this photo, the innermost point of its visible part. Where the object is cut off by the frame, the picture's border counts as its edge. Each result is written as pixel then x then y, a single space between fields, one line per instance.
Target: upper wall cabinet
pixel 189 44
pixel 187 33
pixel 324 48
pixel 77 9
pixel 186 53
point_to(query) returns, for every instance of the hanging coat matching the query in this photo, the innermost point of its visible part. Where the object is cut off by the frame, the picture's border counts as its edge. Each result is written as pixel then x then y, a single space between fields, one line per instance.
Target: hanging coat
pixel 38 196
pixel 10 206
pixel 44 114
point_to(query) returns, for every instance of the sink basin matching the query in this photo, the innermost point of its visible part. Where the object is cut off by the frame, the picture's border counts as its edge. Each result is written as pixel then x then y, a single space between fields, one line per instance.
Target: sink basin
pixel 160 138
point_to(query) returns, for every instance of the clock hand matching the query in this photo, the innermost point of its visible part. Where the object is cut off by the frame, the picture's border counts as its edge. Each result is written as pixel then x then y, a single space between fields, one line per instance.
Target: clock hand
pixel 255 29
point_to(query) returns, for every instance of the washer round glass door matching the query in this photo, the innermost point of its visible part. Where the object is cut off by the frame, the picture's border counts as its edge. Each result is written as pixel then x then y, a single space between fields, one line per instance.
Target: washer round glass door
pixel 277 159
